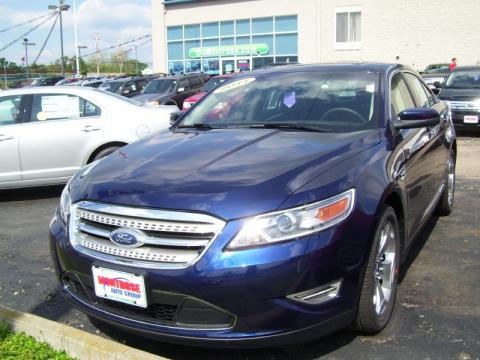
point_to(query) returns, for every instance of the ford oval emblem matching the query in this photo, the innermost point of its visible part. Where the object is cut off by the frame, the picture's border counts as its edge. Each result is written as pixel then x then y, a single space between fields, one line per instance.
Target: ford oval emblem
pixel 127 237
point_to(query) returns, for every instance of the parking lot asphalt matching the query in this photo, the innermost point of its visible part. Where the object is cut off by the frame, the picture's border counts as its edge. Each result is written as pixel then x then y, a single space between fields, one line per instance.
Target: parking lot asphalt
pixel 437 314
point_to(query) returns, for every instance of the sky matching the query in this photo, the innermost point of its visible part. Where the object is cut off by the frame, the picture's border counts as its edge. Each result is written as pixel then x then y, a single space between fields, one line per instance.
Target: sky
pixel 114 20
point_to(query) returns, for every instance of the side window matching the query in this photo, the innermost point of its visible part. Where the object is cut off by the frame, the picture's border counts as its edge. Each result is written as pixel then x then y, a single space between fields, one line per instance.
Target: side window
pixel 418 91
pixel 141 84
pixel 60 107
pixel 400 98
pixel 10 109
pixel 432 99
pixel 195 81
pixel 183 83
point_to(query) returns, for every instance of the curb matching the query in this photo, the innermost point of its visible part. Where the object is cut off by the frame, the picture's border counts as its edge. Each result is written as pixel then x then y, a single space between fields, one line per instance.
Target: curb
pixel 76 343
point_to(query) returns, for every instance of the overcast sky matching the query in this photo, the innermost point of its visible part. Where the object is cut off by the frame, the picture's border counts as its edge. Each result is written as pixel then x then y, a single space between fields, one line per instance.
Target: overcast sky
pixel 114 20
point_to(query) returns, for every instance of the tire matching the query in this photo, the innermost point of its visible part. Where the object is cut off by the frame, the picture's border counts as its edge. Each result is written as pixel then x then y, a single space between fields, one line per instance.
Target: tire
pixel 373 314
pixel 445 205
pixel 105 152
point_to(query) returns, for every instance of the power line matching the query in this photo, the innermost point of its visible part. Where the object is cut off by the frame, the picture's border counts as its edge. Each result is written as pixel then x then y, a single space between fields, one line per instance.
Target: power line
pixel 28 32
pixel 26 22
pixel 115 46
pixel 46 40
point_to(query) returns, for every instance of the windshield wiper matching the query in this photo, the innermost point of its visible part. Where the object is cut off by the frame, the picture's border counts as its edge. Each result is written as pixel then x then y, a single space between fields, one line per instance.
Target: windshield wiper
pixel 287 126
pixel 197 126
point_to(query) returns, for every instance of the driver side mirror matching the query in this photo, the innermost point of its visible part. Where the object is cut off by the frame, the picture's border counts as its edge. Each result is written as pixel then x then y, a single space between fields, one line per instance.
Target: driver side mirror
pixel 417 118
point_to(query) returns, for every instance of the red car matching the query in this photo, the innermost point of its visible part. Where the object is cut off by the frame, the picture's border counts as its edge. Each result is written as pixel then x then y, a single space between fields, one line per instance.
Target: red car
pixel 209 86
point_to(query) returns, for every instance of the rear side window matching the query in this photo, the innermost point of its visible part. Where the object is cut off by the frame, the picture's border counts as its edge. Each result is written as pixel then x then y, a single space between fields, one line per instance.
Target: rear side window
pixel 400 98
pixel 61 107
pixel 183 83
pixel 10 109
pixel 195 81
pixel 418 91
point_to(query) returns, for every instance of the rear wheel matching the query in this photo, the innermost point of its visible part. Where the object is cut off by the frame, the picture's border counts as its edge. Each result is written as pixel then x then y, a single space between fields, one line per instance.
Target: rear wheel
pixel 105 152
pixel 445 204
pixel 379 288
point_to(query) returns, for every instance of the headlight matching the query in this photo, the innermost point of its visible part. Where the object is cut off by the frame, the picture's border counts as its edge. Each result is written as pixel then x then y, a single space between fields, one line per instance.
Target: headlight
pixel 187 104
pixel 65 203
pixel 153 103
pixel 294 223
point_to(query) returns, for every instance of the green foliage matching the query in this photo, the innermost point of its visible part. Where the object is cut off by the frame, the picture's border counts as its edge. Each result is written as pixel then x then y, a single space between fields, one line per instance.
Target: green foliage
pixel 23 347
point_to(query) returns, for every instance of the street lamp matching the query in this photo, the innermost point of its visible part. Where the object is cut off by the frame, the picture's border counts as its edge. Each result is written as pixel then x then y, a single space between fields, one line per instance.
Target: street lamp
pixel 27 44
pixel 136 58
pixel 79 56
pixel 60 7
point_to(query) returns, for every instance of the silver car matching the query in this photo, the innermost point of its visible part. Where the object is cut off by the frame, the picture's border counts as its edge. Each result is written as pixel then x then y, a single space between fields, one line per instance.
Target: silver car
pixel 48 133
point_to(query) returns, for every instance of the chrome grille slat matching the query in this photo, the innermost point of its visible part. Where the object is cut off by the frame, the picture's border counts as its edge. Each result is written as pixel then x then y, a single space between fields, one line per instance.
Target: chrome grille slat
pixel 168 239
pixel 464 105
pixel 159 241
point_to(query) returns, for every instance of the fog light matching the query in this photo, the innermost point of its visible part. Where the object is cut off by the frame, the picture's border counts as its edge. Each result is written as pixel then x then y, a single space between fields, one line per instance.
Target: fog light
pixel 318 295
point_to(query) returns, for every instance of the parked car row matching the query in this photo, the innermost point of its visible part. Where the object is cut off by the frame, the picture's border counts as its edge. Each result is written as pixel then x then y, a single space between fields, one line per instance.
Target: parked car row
pixel 278 209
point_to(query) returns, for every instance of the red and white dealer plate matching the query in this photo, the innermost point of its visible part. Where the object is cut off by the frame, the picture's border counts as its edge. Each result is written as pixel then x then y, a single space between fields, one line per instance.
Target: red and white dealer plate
pixel 119 286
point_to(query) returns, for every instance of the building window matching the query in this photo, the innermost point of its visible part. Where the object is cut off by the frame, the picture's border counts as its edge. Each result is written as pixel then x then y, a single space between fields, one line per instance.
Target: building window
pixel 348 28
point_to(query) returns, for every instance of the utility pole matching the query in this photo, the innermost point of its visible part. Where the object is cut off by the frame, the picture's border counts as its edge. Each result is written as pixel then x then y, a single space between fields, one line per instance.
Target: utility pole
pixel 136 58
pixel 60 7
pixel 97 55
pixel 79 47
pixel 27 44
pixel 5 73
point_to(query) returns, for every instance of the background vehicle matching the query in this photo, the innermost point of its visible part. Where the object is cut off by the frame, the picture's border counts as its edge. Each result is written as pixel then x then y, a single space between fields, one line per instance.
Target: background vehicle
pixel 209 86
pixel 127 87
pixel 48 133
pixel 461 90
pixel 171 90
pixel 435 73
pixel 68 81
pixel 276 210
pixel 47 81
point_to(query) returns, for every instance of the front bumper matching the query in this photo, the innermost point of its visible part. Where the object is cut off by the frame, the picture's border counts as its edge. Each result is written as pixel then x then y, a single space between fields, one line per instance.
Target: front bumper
pixel 247 290
pixel 458 118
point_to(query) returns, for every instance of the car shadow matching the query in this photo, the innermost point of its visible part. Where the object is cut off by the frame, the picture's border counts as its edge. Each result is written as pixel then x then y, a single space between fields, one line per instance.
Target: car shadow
pixel 33 193
pixel 468 134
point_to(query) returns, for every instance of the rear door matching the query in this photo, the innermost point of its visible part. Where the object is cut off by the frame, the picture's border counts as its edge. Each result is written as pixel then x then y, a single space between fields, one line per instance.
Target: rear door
pixel 11 114
pixel 61 130
pixel 183 91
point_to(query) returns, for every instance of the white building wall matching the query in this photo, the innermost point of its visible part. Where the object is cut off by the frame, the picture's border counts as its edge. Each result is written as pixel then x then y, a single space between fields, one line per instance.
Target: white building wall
pixel 419 32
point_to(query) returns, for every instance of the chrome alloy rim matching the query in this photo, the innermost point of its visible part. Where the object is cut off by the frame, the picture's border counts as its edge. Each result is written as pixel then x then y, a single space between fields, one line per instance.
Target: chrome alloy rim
pixel 384 270
pixel 451 180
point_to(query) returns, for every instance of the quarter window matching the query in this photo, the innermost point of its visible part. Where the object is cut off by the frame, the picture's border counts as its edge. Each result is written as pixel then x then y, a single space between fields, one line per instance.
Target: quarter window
pixel 61 107
pixel 400 98
pixel 348 27
pixel 9 109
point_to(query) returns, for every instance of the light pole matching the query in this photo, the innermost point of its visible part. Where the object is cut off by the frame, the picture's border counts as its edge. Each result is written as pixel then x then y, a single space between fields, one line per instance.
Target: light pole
pixel 5 73
pixel 60 7
pixel 79 48
pixel 136 58
pixel 27 44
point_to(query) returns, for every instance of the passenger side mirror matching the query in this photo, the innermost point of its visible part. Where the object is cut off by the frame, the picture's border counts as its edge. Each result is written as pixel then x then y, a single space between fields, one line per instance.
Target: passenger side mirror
pixel 417 118
pixel 174 116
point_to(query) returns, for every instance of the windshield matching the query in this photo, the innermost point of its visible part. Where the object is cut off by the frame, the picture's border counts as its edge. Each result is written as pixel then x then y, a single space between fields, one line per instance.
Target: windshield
pixel 323 100
pixel 213 83
pixel 437 69
pixel 464 79
pixel 113 86
pixel 160 86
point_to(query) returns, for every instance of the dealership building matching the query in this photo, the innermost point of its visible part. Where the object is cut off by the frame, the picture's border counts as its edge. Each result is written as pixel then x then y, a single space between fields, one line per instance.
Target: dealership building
pixel 221 36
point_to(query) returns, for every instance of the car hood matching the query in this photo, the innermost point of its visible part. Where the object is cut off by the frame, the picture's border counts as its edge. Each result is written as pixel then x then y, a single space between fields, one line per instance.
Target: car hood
pixel 434 75
pixel 197 97
pixel 459 94
pixel 230 173
pixel 150 97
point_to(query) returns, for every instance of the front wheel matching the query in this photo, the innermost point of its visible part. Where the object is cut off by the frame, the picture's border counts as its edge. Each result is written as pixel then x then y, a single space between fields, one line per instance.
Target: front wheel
pixel 445 205
pixel 379 288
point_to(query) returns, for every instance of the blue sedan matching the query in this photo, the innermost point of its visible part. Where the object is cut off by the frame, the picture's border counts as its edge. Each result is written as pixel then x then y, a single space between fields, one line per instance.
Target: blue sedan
pixel 275 211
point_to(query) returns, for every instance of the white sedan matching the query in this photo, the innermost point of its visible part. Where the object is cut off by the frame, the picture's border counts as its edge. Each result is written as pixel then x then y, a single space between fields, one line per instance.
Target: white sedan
pixel 48 133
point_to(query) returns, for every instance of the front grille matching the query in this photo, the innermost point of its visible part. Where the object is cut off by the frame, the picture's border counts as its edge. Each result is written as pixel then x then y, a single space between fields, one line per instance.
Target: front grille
pixel 167 238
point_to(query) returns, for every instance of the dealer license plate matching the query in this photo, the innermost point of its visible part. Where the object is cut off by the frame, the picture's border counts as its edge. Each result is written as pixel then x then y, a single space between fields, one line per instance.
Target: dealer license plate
pixel 120 286
pixel 470 119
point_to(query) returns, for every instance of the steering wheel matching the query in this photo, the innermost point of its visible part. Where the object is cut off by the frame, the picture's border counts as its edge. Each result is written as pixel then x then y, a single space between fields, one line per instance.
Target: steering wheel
pixel 359 117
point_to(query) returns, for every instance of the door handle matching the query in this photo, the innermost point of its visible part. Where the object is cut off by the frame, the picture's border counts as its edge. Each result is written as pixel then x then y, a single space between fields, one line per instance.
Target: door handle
pixel 90 128
pixel 6 137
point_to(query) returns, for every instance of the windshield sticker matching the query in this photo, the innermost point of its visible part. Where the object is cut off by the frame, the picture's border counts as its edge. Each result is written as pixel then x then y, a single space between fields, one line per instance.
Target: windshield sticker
pixel 370 88
pixel 289 99
pixel 234 85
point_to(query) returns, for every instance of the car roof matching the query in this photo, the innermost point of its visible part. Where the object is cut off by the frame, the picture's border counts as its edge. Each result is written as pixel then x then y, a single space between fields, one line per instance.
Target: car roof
pixel 78 90
pixel 466 68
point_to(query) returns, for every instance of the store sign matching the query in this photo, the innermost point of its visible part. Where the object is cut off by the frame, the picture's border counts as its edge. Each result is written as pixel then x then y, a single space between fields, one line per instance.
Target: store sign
pixel 230 50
